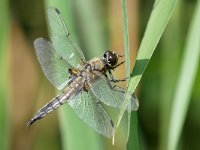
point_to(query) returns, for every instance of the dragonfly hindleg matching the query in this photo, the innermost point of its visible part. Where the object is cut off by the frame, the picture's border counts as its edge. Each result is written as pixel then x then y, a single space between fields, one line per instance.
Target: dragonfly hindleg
pixel 115 80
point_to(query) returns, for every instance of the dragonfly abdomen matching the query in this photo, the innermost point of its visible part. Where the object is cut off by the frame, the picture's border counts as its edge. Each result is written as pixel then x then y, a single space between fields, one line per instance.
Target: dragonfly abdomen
pixel 46 109
pixel 56 102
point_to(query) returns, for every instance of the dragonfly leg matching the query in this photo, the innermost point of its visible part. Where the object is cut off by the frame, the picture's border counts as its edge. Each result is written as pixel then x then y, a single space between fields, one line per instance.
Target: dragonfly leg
pixel 118 89
pixel 115 80
pixel 119 64
pixel 115 87
pixel 119 80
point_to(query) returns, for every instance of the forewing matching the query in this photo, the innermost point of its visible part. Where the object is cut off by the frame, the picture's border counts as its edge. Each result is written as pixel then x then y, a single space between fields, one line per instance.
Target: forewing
pixel 54 67
pixel 109 95
pixel 61 41
pixel 90 111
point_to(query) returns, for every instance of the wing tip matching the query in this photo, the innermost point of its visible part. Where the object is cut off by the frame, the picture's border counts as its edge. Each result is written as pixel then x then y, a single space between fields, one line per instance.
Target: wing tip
pixel 37 40
pixel 53 9
pixel 40 42
pixel 136 103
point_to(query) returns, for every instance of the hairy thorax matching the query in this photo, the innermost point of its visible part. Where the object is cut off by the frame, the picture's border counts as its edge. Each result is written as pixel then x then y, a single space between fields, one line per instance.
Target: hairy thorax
pixel 97 64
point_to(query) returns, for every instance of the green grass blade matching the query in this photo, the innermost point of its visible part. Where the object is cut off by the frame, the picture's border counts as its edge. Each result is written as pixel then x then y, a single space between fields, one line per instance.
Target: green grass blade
pixel 186 80
pixel 133 140
pixel 126 38
pixel 159 18
pixel 74 133
pixel 4 114
pixel 127 53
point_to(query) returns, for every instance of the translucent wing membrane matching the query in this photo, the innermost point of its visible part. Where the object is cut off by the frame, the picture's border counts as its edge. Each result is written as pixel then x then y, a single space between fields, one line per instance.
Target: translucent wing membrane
pixel 53 65
pixel 120 92
pixel 90 111
pixel 109 95
pixel 61 39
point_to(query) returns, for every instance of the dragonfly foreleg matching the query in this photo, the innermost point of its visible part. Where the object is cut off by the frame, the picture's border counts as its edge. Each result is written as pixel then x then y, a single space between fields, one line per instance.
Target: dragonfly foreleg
pixel 119 64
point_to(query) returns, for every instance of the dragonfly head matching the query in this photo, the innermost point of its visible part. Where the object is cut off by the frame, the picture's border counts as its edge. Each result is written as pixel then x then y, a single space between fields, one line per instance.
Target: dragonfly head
pixel 110 58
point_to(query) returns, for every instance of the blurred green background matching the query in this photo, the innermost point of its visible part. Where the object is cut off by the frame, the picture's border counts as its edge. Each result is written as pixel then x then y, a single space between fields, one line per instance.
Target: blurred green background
pixel 96 25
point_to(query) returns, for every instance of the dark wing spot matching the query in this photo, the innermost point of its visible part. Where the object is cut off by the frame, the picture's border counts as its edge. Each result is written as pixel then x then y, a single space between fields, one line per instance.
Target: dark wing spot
pixel 98 102
pixel 111 122
pixel 57 10
pixel 68 34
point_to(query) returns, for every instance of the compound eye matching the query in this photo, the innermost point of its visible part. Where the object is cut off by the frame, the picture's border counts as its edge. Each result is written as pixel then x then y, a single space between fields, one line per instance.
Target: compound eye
pixel 104 55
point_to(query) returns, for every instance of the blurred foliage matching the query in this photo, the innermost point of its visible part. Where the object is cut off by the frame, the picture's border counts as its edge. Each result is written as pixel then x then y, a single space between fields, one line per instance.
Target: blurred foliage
pixel 96 26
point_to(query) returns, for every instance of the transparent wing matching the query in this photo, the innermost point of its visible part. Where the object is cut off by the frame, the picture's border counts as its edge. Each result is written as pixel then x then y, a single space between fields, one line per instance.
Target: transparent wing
pixel 121 93
pixel 109 95
pixel 54 67
pixel 61 41
pixel 90 111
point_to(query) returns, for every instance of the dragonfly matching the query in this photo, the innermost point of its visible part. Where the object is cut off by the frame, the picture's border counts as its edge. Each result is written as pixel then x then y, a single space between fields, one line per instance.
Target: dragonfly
pixel 85 85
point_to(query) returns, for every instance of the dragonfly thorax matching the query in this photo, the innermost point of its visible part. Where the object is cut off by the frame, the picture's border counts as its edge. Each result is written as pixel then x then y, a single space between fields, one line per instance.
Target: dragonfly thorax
pixel 95 64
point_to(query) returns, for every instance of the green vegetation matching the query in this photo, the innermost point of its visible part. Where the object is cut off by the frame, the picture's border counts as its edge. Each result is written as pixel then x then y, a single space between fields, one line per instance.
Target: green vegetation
pixel 165 73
